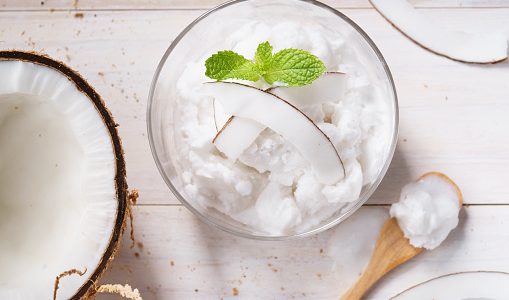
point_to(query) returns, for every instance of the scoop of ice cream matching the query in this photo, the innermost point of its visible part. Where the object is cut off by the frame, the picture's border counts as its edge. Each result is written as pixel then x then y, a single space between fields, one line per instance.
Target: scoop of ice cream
pixel 428 210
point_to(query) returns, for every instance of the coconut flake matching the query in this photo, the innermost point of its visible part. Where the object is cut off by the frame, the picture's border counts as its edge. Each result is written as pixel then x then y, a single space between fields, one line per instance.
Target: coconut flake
pixel 460 46
pixel 282 117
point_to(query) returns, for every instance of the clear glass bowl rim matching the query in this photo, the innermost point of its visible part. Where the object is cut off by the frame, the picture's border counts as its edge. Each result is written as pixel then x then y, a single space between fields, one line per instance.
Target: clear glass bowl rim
pixel 308 233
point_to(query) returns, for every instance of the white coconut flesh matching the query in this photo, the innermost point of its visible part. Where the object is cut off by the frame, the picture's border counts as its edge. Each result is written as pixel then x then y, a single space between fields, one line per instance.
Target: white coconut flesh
pixel 220 116
pixel 330 87
pixel 237 134
pixel 58 201
pixel 283 118
pixel 461 46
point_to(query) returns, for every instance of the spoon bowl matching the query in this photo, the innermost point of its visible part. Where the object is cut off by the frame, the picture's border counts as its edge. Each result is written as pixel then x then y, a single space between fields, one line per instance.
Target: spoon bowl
pixel 392 249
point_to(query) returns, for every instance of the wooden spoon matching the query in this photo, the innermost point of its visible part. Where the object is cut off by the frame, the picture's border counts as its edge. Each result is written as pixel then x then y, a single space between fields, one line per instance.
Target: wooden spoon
pixel 391 250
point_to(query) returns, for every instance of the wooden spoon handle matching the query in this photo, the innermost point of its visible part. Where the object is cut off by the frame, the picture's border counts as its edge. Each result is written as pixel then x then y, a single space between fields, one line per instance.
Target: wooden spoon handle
pixel 391 250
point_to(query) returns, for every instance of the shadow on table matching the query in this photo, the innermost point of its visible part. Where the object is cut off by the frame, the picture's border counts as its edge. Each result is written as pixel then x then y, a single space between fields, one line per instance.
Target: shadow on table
pixel 396 177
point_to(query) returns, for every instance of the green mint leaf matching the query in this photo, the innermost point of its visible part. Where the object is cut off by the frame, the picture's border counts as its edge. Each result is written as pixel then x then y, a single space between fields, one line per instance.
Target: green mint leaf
pixel 230 65
pixel 263 56
pixel 294 67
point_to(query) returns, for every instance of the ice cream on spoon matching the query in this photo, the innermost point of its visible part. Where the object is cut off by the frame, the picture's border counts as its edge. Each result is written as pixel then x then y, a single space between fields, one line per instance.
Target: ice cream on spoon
pixel 423 218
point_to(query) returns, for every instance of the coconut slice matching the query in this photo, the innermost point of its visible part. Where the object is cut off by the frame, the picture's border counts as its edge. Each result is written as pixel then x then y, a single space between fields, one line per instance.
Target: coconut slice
pixel 460 46
pixel 236 135
pixel 62 179
pixel 220 116
pixel 251 103
pixel 330 87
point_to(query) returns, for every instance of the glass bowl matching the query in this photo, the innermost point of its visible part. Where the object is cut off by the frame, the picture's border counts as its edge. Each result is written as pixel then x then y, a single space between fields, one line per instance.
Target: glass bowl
pixel 201 36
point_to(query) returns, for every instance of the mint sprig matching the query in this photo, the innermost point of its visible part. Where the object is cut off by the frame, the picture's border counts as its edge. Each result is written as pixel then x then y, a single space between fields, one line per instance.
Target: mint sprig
pixel 291 67
pixel 230 65
pixel 263 56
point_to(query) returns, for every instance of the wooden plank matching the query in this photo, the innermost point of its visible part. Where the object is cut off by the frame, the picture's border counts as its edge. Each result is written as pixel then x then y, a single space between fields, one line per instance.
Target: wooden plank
pixel 205 4
pixel 117 56
pixel 182 258
pixel 452 114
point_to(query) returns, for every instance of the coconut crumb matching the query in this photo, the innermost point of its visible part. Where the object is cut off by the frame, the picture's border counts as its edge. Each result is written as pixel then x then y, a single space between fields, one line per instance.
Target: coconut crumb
pixel 125 291
pixel 132 198
pixel 235 292
pixel 79 15
pixel 64 274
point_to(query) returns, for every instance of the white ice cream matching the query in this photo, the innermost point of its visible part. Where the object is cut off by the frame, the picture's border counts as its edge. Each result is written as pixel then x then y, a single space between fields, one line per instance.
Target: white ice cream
pixel 427 211
pixel 271 187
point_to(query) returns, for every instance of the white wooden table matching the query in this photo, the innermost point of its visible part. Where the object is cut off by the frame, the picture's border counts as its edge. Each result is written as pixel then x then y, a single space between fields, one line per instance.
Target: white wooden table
pixel 454 119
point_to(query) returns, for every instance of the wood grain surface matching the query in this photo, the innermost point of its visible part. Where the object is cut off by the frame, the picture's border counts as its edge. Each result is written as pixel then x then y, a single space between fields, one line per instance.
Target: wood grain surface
pixel 454 119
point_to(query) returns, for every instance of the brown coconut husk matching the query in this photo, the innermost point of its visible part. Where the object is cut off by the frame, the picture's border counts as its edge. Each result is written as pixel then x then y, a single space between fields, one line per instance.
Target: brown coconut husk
pixel 64 274
pixel 132 198
pixel 125 291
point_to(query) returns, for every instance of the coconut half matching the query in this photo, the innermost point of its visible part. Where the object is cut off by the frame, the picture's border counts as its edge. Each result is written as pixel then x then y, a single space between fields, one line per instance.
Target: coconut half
pixel 250 103
pixel 62 179
pixel 459 46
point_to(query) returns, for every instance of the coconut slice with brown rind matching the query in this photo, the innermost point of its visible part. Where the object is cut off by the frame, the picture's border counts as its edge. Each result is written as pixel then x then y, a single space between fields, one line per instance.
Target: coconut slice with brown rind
pixel 236 135
pixel 330 87
pixel 483 48
pixel 282 117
